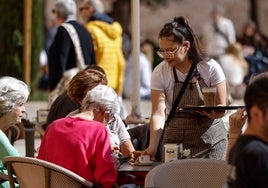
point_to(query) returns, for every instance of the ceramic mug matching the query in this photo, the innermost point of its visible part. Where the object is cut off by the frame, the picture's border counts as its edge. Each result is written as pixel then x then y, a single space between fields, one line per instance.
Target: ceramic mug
pixel 144 159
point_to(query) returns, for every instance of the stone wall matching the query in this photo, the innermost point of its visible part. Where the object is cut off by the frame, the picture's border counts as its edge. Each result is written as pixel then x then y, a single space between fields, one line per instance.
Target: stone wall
pixel 197 13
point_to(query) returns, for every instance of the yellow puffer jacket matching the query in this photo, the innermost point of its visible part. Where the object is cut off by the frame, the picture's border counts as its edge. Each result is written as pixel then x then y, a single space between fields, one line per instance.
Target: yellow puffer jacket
pixel 107 39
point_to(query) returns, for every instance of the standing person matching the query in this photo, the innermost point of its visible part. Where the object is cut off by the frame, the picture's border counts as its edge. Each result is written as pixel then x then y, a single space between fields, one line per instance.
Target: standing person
pixel 62 55
pixel 13 95
pixel 107 39
pixel 198 132
pixel 145 71
pixel 86 137
pixel 249 155
pixel 218 33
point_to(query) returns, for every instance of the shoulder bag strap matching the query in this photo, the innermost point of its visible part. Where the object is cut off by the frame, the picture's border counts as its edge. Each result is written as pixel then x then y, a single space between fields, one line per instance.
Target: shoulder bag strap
pixel 220 32
pixel 80 62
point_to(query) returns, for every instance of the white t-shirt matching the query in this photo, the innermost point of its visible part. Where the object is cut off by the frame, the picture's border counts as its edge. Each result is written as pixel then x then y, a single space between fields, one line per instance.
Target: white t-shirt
pixel 145 70
pixel 117 131
pixel 215 42
pixel 163 78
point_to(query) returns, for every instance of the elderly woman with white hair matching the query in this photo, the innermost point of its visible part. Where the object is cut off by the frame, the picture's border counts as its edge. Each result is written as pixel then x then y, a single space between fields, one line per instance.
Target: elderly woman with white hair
pixel 81 142
pixel 13 95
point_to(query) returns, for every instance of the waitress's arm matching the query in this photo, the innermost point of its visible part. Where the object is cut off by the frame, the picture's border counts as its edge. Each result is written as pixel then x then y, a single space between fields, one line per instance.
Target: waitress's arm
pixel 221 94
pixel 157 121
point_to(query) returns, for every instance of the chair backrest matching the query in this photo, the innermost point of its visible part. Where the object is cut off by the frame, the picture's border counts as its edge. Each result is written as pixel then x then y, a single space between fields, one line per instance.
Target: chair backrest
pixel 41 120
pixel 31 172
pixel 140 136
pixel 189 173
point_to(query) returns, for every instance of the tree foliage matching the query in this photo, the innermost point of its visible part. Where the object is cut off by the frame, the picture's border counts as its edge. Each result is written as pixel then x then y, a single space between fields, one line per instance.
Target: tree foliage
pixel 11 37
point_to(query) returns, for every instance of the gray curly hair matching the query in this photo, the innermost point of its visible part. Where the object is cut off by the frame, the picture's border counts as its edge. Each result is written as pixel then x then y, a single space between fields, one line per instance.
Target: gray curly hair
pixel 13 92
pixel 101 97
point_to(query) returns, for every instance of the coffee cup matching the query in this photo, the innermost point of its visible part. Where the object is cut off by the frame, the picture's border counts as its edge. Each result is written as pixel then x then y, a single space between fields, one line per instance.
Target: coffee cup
pixel 209 95
pixel 144 159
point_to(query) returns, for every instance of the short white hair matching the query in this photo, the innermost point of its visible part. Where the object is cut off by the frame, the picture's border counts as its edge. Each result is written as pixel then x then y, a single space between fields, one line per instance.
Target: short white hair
pixel 12 93
pixel 101 96
pixel 66 8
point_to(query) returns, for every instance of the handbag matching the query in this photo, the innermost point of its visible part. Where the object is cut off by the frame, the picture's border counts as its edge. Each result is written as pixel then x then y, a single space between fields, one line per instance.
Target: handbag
pixel 70 73
pixel 173 109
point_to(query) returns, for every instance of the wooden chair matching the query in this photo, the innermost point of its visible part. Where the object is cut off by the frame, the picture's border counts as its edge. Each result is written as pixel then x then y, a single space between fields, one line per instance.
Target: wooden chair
pixel 189 173
pixel 31 172
pixel 3 177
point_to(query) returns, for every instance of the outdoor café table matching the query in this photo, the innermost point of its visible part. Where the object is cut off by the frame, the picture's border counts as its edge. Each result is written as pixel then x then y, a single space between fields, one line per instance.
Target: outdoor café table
pixel 129 173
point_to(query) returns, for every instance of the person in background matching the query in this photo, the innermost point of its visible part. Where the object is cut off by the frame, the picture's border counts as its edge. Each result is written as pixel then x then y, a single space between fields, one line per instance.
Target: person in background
pixel 254 49
pixel 145 72
pixel 62 55
pixel 235 69
pixel 86 137
pixel 218 33
pixel 70 102
pixel 249 155
pixel 252 40
pixel 13 95
pixel 107 39
pixel 179 49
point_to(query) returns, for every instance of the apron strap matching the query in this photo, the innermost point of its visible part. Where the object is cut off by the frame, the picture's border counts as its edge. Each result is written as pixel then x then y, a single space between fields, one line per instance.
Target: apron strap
pixel 175 75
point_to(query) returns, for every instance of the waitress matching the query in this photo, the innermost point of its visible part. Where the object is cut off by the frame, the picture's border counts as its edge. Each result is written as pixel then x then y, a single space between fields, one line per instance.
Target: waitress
pixel 202 132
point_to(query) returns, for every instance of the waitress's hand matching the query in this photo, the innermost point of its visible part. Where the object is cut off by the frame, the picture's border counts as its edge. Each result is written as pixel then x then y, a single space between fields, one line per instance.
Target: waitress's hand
pixel 151 150
pixel 213 114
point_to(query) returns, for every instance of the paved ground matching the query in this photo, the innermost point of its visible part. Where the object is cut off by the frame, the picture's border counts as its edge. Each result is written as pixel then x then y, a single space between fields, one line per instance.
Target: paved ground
pixel 32 107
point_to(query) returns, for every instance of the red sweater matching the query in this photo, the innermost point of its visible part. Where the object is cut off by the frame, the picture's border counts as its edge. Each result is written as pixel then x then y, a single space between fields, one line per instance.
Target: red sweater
pixel 81 146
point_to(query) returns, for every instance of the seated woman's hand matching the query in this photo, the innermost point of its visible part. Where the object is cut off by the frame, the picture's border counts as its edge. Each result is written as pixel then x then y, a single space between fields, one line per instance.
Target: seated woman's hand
pixel 115 149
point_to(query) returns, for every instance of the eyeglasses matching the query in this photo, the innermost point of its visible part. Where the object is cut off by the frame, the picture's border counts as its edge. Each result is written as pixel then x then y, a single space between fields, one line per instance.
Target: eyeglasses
pixel 167 53
pixel 83 8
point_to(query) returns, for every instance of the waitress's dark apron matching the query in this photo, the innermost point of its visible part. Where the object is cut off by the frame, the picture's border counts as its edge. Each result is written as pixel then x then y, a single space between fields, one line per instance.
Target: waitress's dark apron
pixel 205 137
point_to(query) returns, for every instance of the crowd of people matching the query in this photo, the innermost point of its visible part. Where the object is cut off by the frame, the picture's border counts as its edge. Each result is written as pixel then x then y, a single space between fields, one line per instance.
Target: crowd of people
pixel 85 117
pixel 241 57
